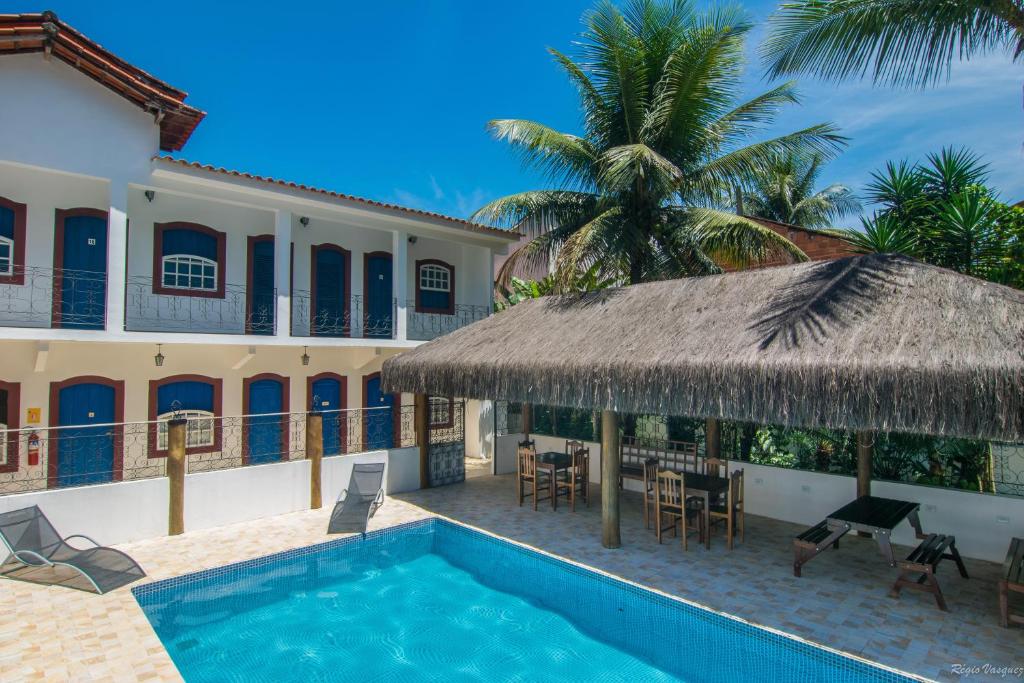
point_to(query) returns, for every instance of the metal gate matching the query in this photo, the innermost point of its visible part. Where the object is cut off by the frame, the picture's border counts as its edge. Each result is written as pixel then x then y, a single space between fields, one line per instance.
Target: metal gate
pixel 446 454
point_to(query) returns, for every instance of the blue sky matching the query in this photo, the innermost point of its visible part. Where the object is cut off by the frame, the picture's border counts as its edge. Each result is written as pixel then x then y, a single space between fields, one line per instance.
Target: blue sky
pixel 389 99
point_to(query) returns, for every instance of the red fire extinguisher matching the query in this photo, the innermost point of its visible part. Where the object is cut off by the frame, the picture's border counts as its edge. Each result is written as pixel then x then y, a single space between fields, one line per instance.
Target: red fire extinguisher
pixel 33 449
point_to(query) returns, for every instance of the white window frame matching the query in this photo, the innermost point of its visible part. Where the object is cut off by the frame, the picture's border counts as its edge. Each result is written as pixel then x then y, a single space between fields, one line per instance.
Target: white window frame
pixel 9 243
pixel 430 280
pixel 200 428
pixel 190 261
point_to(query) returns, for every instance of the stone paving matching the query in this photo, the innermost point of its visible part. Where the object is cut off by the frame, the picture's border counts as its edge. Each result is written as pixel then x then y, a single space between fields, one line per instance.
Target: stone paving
pixel 61 634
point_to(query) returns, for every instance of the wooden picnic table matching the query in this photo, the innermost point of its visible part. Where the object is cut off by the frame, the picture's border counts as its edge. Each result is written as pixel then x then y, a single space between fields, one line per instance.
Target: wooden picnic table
pixel 870 514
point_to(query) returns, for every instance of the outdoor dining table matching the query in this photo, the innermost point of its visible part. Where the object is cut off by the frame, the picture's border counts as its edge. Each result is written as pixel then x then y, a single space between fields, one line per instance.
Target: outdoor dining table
pixel 706 487
pixel 553 462
pixel 876 516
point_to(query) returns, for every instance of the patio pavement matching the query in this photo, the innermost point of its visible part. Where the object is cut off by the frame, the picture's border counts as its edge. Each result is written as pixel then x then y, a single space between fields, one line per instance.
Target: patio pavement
pixel 52 633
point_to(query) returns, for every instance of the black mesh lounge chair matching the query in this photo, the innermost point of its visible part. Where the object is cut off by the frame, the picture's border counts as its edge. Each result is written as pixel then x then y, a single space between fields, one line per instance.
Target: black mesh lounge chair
pixel 30 541
pixel 360 500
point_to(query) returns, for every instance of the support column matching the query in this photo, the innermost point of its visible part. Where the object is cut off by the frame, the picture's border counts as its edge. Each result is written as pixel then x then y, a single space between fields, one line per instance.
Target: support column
pixel 176 476
pixel 865 454
pixel 611 459
pixel 527 420
pixel 315 455
pixel 712 438
pixel 282 272
pixel 400 278
pixel 117 256
pixel 422 437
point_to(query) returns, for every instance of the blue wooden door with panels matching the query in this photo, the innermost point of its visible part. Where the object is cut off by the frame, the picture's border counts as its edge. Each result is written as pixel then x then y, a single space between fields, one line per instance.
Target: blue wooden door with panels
pixel 265 429
pixel 261 306
pixel 378 423
pixel 377 320
pixel 83 289
pixel 85 447
pixel 329 318
pixel 327 400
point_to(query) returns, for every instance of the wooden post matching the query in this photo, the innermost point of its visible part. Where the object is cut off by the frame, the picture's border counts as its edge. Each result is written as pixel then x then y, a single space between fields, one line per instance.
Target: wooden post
pixel 527 421
pixel 176 476
pixel 865 451
pixel 611 459
pixel 421 417
pixel 315 455
pixel 712 438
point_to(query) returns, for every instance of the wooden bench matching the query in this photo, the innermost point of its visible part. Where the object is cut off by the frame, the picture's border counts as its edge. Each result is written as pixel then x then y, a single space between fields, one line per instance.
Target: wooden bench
pixel 918 570
pixel 1013 580
pixel 812 541
pixel 678 456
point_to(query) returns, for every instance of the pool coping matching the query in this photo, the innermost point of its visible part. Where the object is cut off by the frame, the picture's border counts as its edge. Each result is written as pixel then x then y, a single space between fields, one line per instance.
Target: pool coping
pixel 142 591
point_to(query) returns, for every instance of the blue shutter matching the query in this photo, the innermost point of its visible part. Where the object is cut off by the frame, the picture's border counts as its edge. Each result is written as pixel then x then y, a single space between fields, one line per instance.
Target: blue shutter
pixel 191 396
pixel 191 242
pixel 6 223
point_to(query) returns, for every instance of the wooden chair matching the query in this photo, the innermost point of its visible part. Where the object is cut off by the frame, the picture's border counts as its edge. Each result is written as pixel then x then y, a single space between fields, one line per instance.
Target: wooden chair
pixel 650 477
pixel 670 500
pixel 578 481
pixel 730 511
pixel 528 477
pixel 572 446
pixel 716 467
pixel 1012 580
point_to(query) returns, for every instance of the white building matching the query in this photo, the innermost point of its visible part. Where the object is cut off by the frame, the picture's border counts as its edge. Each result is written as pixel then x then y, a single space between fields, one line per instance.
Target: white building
pixel 113 256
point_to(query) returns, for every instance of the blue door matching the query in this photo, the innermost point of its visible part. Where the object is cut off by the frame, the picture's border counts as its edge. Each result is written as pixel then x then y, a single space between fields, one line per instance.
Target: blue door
pixel 378 424
pixel 329 318
pixel 327 400
pixel 85 454
pixel 84 283
pixel 377 318
pixel 261 298
pixel 265 431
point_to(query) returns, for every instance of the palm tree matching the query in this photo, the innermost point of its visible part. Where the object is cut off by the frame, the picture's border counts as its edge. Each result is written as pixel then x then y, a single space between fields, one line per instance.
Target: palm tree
pixel 896 42
pixel 637 192
pixel 784 192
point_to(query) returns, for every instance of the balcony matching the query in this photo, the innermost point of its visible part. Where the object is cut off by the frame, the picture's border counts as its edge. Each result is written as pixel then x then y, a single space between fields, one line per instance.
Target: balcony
pixel 49 297
pixel 234 313
pixel 427 326
pixel 341 317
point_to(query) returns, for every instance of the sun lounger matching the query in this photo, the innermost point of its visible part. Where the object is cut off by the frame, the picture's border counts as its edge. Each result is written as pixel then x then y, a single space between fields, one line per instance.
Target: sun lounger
pixel 357 503
pixel 31 542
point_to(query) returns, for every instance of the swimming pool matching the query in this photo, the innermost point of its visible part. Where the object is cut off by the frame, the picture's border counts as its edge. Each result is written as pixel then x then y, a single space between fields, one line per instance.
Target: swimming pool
pixel 434 600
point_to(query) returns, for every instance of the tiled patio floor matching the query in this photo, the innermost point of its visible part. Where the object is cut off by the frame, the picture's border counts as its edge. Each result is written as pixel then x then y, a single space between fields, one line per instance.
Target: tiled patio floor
pixel 49 633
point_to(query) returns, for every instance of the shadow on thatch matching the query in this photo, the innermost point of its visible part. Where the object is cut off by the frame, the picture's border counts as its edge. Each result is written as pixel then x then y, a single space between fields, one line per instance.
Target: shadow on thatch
pixel 828 300
pixel 565 302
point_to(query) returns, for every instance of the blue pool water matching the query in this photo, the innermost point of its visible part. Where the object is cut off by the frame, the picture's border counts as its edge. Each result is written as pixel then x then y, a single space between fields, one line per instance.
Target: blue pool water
pixel 434 600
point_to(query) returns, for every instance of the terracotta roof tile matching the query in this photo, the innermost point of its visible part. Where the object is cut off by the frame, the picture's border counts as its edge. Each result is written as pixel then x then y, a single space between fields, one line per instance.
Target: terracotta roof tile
pixel 462 223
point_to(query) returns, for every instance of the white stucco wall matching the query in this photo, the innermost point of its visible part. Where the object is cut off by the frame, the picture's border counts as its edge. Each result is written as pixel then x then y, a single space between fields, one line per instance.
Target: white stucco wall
pixel 62 119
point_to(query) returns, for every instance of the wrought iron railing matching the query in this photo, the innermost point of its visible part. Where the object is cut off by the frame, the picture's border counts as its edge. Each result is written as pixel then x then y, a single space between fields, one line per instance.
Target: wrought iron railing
pixel 426 326
pixel 350 316
pixel 33 459
pixel 235 312
pixel 48 296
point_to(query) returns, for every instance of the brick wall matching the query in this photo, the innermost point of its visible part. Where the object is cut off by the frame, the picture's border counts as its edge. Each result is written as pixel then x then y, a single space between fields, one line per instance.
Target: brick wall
pixel 818 246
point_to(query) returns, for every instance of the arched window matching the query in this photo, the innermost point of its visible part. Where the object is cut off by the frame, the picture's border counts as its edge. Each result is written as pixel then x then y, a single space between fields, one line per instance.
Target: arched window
pixel 12 242
pixel 435 287
pixel 196 399
pixel 188 260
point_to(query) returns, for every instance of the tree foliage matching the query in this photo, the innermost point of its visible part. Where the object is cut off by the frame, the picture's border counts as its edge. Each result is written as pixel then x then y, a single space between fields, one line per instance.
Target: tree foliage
pixel 784 191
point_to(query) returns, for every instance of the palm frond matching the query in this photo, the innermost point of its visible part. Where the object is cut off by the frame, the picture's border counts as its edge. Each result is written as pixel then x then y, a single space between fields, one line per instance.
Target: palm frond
pixel 565 158
pixel 738 241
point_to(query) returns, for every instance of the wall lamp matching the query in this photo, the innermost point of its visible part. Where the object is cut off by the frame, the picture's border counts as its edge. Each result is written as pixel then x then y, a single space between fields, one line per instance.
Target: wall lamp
pixel 304 220
pixel 159 357
pixel 149 195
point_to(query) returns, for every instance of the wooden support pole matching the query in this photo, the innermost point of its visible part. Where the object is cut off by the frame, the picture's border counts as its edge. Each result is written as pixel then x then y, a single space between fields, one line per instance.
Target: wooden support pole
pixel 527 420
pixel 712 438
pixel 611 460
pixel 421 417
pixel 315 455
pixel 176 476
pixel 865 452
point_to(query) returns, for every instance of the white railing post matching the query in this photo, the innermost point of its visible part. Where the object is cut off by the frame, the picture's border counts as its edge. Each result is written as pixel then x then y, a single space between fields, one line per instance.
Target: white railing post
pixel 282 272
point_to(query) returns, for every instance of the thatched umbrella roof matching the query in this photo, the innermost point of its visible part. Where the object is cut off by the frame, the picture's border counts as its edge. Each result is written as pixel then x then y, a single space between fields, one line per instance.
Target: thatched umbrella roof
pixel 871 342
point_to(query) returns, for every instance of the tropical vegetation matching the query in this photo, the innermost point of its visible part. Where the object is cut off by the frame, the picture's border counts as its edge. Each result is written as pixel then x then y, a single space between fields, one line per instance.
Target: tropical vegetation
pixel 784 191
pixel 638 194
pixel 895 42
